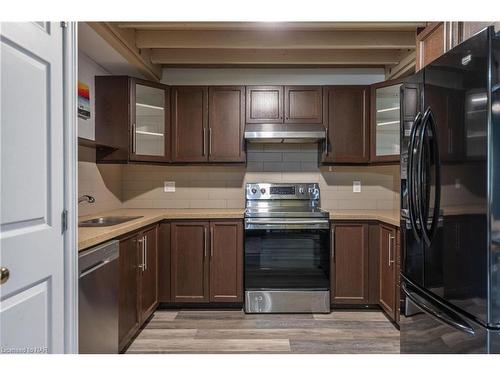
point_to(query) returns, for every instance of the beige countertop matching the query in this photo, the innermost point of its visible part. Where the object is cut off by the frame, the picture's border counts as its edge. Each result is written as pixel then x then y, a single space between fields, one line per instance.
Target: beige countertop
pixel 386 216
pixel 90 236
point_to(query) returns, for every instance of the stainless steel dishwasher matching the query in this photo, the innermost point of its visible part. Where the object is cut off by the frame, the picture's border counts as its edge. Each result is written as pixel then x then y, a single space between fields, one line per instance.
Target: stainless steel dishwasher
pixel 98 299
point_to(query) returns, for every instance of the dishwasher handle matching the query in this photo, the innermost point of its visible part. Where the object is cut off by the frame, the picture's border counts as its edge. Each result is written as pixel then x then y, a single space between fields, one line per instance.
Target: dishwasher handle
pixel 95 267
pixel 92 259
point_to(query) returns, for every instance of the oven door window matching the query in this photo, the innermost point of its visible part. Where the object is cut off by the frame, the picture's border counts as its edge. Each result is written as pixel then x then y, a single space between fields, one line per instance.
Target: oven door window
pixel 287 259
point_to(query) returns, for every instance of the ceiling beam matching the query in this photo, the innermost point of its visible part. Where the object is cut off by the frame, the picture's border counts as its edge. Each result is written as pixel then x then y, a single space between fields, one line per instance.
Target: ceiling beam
pixel 405 66
pixel 392 26
pixel 276 39
pixel 268 57
pixel 123 41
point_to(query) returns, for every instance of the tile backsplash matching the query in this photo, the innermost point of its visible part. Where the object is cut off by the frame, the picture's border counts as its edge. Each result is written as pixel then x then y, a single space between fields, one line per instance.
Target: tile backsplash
pixel 222 186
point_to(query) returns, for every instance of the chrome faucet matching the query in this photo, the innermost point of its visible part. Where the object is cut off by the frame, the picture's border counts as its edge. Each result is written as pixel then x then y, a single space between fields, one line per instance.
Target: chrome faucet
pixel 86 198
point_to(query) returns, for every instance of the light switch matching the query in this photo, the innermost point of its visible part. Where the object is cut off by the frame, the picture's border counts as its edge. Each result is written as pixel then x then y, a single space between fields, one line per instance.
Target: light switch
pixel 169 186
pixel 356 186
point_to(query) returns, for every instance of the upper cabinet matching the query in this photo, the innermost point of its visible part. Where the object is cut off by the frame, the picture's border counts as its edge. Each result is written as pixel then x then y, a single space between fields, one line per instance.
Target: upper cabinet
pixel 385 121
pixel 189 123
pixel 208 124
pixel 264 104
pixel 348 126
pixel 226 124
pixel 303 104
pixel 430 44
pixel 284 104
pixel 132 120
pixel 438 37
pixel 150 113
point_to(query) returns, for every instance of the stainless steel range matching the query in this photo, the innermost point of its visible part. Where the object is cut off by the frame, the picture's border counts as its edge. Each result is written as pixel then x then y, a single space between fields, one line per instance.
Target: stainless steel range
pixel 287 242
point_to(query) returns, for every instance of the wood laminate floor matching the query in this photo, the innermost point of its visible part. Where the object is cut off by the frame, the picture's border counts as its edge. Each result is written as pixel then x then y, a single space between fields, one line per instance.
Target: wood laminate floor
pixel 232 331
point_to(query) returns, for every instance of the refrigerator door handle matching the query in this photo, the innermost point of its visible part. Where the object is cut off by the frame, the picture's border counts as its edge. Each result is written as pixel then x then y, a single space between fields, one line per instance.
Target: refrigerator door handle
pixel 429 124
pixel 437 190
pixel 411 183
pixel 446 317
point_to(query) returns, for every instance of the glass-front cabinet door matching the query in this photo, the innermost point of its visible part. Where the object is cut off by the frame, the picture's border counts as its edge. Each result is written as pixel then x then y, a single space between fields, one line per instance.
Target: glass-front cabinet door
pixel 385 122
pixel 150 119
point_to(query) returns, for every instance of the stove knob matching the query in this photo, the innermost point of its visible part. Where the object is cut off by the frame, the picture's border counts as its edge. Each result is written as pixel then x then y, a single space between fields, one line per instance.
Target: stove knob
pixel 263 191
pixel 254 190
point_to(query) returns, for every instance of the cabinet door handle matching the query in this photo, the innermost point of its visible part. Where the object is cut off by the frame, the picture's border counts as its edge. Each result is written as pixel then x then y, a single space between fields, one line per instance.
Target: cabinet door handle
pixel 364 121
pixel 204 140
pixel 332 244
pixel 141 241
pixel 145 253
pixel 211 242
pixel 134 141
pixel 327 142
pixel 391 238
pixel 209 141
pixel 204 242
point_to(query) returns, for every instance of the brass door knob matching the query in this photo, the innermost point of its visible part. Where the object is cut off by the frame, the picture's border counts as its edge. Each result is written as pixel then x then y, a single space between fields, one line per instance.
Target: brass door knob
pixel 4 275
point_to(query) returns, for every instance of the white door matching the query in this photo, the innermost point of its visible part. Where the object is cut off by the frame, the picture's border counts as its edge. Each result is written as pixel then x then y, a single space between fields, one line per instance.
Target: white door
pixel 32 188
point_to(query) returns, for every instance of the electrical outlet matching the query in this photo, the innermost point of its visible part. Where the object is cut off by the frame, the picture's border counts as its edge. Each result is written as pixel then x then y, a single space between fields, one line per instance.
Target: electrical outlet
pixel 169 186
pixel 356 186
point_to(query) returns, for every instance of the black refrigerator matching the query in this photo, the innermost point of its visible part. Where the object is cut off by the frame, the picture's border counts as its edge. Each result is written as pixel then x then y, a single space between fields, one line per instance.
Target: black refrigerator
pixel 450 201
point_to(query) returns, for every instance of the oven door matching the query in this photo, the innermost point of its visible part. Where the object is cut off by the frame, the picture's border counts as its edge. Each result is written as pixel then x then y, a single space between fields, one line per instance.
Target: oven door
pixel 287 254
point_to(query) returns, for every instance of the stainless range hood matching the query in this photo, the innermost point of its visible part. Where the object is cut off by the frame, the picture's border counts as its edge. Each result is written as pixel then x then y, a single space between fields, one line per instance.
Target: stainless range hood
pixel 284 133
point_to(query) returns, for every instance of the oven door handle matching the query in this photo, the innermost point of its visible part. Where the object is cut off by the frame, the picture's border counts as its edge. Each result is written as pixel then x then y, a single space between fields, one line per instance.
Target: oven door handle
pixel 267 221
pixel 286 224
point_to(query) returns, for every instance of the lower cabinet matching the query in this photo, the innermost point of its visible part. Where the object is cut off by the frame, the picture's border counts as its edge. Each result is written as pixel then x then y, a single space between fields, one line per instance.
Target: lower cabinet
pixel 138 282
pixel 349 263
pixel 149 273
pixel 164 263
pixel 226 261
pixel 207 261
pixel 128 312
pixel 387 267
pixel 189 256
pixel 365 264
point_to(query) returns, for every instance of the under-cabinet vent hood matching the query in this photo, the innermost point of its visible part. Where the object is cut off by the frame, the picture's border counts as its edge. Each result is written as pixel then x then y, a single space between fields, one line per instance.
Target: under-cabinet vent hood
pixel 284 133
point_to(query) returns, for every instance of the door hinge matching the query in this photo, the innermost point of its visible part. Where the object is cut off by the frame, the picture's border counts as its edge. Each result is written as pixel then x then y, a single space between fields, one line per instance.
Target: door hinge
pixel 64 221
pixel 64 24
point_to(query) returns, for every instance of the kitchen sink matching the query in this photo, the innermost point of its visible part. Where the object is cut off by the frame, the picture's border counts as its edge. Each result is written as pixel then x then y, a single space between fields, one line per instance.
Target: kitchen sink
pixel 107 221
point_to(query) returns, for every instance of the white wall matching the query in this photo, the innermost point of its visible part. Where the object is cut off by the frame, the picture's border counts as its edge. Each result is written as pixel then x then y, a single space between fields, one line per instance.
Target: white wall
pixel 87 70
pixel 273 76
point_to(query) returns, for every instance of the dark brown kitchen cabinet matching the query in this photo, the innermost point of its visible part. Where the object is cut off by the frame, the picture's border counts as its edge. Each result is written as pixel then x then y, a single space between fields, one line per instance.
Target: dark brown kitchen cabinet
pixel 132 120
pixel 348 126
pixel 138 296
pixel 164 268
pixel 387 270
pixel 264 104
pixel 226 261
pixel 431 43
pixel 303 104
pixel 149 273
pixel 349 263
pixel 189 123
pixel 128 313
pixel 226 124
pixel 190 262
pixel 284 104
pixel 207 261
